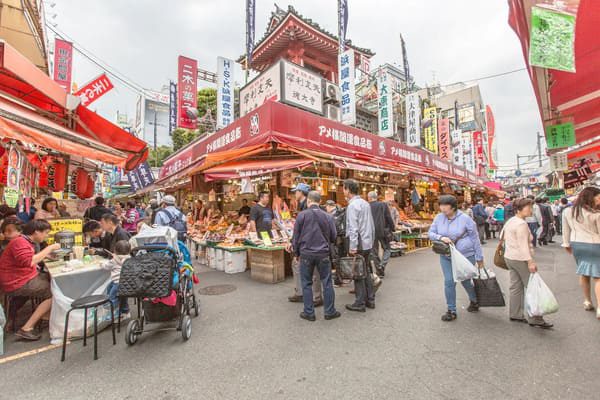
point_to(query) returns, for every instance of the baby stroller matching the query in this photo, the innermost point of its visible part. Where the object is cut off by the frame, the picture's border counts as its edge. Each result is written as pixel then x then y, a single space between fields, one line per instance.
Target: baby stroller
pixel 160 277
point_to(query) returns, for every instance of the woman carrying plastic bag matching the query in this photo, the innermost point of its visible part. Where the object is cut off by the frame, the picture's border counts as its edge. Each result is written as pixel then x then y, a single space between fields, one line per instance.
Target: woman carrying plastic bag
pixel 459 232
pixel 539 300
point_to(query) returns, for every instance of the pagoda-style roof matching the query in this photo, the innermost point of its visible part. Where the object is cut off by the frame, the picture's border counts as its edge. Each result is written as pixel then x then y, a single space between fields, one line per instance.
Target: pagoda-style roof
pixel 287 27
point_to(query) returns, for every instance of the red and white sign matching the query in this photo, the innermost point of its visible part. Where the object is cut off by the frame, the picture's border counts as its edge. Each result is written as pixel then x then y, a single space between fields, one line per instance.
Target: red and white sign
pixel 187 91
pixel 491 132
pixel 63 63
pixel 94 89
pixel 478 146
pixel 444 139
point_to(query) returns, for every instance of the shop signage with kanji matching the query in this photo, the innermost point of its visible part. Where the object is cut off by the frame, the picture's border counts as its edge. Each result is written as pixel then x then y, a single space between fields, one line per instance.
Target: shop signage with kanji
pixel 413 120
pixel 140 177
pixel 444 139
pixel 576 177
pixel 265 87
pixel 457 148
pixel 225 92
pixel 560 135
pixel 552 41
pixel 63 62
pixel 430 132
pixel 559 162
pixel 94 89
pixel 172 106
pixel 492 149
pixel 468 151
pixel 302 88
pixel 348 94
pixel 187 91
pixel 478 148
pixel 385 106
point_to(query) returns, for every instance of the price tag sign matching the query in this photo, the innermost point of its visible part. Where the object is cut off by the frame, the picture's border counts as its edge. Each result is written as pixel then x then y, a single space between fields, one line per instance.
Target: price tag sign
pixel 266 238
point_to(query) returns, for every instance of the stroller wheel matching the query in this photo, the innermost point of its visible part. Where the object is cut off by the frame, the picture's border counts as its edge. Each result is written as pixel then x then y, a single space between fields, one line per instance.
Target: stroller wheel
pixel 131 336
pixel 186 327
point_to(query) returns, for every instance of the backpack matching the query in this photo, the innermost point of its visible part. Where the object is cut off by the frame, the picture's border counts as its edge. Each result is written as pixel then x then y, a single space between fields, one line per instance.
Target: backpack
pixel 340 222
pixel 179 224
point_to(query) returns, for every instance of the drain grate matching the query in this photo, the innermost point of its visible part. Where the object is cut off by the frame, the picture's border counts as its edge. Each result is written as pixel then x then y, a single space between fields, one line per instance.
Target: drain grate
pixel 216 290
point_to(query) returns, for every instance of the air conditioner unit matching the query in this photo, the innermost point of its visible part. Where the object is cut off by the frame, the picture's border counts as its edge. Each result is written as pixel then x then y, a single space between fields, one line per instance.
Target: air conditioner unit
pixel 332 93
pixel 332 112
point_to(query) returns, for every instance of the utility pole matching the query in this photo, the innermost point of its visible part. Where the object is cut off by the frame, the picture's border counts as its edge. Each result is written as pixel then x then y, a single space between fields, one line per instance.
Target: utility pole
pixel 539 146
pixel 155 136
pixel 518 163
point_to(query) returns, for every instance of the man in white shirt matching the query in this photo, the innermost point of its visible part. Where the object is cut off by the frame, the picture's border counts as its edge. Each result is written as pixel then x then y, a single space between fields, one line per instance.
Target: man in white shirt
pixel 535 220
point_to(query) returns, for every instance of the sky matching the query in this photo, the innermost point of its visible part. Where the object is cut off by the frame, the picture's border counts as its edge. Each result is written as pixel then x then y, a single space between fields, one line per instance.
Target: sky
pixel 449 41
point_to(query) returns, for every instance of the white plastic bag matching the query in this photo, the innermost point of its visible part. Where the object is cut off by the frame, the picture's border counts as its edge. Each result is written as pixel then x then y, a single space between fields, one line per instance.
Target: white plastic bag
pixel 539 299
pixel 462 269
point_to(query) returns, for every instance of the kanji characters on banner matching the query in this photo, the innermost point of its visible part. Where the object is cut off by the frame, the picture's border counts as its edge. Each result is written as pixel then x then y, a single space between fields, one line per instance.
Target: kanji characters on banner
pixel 225 92
pixel 94 89
pixel 187 91
pixel 348 98
pixel 444 144
pixel 63 63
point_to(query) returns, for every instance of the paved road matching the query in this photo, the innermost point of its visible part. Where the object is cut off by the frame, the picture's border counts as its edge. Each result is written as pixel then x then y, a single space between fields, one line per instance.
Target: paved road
pixel 250 344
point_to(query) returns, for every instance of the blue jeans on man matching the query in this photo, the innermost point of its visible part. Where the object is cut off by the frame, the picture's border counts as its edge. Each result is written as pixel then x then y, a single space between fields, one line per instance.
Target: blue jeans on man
pixel 323 266
pixel 113 293
pixel 450 285
pixel 533 227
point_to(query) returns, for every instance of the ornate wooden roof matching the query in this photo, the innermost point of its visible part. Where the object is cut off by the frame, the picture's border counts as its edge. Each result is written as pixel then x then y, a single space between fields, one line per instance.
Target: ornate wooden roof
pixel 290 26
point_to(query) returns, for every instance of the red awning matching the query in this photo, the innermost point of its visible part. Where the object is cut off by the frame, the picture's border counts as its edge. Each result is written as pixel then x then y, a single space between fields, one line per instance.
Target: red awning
pixel 251 168
pixel 566 94
pixel 22 82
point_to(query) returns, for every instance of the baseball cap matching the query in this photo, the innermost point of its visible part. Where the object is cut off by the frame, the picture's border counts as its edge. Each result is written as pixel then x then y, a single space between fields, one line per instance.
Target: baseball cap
pixel 168 200
pixel 303 187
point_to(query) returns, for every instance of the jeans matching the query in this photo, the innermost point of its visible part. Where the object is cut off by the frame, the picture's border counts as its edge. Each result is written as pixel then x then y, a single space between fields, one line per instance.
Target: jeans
pixel 481 232
pixel 364 287
pixel 533 227
pixel 323 266
pixel 386 252
pixel 112 290
pixel 450 285
pixel 298 281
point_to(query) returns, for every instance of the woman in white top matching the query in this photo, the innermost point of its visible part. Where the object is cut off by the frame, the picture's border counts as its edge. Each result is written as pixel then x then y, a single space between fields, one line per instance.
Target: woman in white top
pixel 581 237
pixel 518 253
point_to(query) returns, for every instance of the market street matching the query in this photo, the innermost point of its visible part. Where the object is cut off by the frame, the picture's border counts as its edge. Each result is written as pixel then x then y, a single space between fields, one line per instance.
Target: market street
pixel 250 344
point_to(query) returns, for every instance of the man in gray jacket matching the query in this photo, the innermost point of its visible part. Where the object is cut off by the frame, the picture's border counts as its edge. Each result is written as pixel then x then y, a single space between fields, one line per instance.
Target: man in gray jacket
pixel 360 231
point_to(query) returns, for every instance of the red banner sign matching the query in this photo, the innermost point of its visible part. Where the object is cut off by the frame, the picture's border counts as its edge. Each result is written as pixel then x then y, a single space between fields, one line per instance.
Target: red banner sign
pixel 444 139
pixel 491 129
pixel 187 91
pixel 94 89
pixel 478 146
pixel 63 62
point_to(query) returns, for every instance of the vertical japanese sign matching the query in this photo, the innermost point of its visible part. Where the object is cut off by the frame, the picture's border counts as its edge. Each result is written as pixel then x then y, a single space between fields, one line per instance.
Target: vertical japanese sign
pixel 444 139
pixel 63 62
pixel 250 22
pixel 491 136
pixel 187 91
pixel 172 106
pixel 468 151
pixel 560 135
pixel 457 148
pixel 342 22
pixel 225 92
pixel 385 109
pixel 413 120
pixel 559 162
pixel 478 147
pixel 552 41
pixel 348 100
pixel 94 89
pixel 137 125
pixel 140 177
pixel 430 132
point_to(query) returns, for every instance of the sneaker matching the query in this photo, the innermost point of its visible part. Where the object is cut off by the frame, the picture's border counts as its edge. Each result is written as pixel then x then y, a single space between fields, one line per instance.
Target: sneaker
pixel 473 307
pixel 352 307
pixel 307 317
pixel 449 316
pixel 541 324
pixel 30 336
pixel 588 306
pixel 295 299
pixel 335 315
pixel 370 305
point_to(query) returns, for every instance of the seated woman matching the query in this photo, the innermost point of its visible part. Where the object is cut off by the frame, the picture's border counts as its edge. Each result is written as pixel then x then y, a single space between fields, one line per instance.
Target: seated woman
pixel 49 209
pixel 10 229
pixel 19 275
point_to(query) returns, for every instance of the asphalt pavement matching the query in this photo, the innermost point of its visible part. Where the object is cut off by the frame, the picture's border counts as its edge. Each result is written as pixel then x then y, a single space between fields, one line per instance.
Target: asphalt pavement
pixel 251 344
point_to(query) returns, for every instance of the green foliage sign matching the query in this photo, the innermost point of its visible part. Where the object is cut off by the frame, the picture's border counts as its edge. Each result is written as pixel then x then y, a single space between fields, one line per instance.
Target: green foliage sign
pixel 552 42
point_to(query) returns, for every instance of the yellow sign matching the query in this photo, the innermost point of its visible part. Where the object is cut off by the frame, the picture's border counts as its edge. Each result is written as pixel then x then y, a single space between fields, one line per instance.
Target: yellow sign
pixel 285 215
pixel 266 238
pixel 431 132
pixel 69 224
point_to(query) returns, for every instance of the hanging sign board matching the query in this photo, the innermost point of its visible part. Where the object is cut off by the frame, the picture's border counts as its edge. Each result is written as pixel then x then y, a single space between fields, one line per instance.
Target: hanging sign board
pixel 552 41
pixel 348 100
pixel 559 162
pixel 560 135
pixel 413 120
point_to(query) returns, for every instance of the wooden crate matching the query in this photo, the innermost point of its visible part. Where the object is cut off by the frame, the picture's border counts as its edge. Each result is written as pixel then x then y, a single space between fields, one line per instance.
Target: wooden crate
pixel 266 265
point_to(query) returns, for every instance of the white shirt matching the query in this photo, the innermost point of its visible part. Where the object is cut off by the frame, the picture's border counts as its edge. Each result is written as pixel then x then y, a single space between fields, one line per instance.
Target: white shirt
pixel 586 230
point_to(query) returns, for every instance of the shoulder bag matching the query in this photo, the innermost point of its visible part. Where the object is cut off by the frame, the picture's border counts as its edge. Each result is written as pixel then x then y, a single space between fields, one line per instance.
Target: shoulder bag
pixel 499 260
pixel 488 291
pixel 352 267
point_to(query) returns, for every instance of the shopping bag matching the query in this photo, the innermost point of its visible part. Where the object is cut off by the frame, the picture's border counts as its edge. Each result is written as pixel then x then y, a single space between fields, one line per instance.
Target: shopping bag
pixel 539 299
pixel 462 269
pixel 487 289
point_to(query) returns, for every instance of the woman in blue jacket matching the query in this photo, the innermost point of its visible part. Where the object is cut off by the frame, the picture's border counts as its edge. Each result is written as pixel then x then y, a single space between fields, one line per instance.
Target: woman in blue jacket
pixel 453 226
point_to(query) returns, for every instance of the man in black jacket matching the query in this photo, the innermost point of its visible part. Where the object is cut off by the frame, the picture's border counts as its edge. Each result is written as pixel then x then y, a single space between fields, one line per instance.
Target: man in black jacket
pixel 384 229
pixel 509 209
pixel 96 212
pixel 314 232
pixel 114 233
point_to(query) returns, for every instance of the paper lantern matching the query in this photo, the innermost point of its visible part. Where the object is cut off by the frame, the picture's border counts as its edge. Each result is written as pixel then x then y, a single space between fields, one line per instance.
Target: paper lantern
pixel 57 176
pixel 89 192
pixel 79 182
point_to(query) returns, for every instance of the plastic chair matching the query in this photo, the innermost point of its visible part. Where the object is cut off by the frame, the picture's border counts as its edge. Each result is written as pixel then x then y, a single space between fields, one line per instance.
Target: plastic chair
pixel 84 303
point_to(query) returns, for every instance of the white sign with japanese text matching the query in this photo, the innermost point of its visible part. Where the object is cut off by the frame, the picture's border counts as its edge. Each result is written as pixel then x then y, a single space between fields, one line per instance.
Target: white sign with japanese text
pixel 457 149
pixel 385 110
pixel 225 92
pixel 559 162
pixel 265 87
pixel 413 120
pixel 469 151
pixel 302 88
pixel 348 97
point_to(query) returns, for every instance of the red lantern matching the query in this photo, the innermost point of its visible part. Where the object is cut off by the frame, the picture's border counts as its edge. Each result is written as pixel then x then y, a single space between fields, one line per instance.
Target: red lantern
pixel 80 182
pixel 89 192
pixel 57 176
pixel 3 167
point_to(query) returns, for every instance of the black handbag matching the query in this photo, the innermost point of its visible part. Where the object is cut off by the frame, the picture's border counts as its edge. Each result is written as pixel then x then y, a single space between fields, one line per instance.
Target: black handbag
pixel 440 247
pixel 147 275
pixel 488 291
pixel 352 268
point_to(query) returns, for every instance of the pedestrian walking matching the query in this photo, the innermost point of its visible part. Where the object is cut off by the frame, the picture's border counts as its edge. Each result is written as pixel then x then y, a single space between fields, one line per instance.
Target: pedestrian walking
pixel 556 216
pixel 314 233
pixel 534 221
pixel 384 229
pixel 498 219
pixel 509 210
pixel 132 217
pixel 453 226
pixel 489 210
pixel 480 216
pixel 581 238
pixel 340 249
pixel 361 233
pixel 518 254
pixel 301 191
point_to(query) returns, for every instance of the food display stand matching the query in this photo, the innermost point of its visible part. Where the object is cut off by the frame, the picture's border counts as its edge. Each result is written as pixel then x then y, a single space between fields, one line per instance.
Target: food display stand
pixel 267 264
